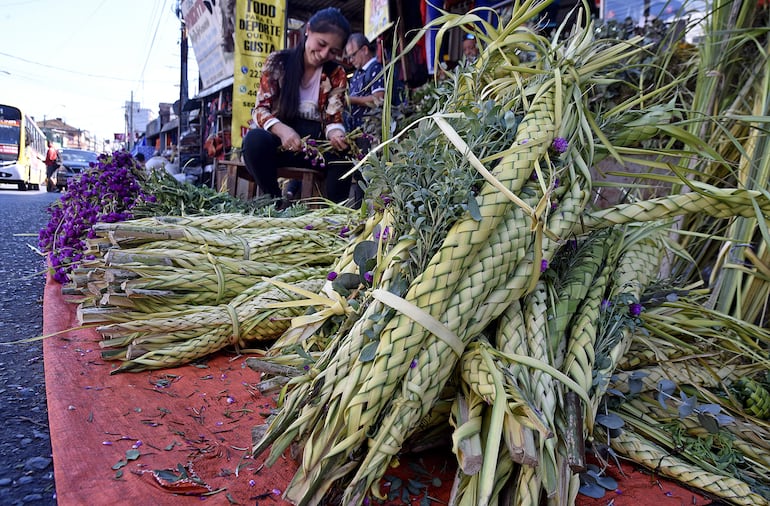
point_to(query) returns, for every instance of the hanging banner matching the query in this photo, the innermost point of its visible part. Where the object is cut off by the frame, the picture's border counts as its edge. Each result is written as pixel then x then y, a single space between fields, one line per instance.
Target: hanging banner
pixel 210 30
pixel 376 18
pixel 259 30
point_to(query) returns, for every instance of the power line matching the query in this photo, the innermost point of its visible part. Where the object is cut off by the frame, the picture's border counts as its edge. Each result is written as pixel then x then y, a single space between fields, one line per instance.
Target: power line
pixel 69 71
pixel 152 42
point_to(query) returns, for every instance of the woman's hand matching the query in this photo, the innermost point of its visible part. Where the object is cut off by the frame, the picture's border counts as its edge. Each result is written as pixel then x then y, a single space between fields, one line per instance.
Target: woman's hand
pixel 337 140
pixel 290 139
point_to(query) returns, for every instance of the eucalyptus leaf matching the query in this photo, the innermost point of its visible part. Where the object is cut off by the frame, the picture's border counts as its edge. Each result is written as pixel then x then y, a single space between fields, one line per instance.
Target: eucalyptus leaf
pixel 132 454
pixel 687 407
pixel 368 352
pixel 364 251
pixel 340 288
pixel 348 280
pixel 635 385
pixel 667 386
pixel 712 409
pixel 709 423
pixel 610 420
pixel 592 490
pixel 725 419
pixel 607 482
pixel 119 464
pixel 473 207
pixel 166 475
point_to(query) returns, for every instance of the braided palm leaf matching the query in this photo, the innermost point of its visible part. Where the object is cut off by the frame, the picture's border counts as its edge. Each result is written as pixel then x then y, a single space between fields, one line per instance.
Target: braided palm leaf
pixel 637 266
pixel 250 318
pixel 580 356
pixel 511 338
pixel 748 440
pixel 332 217
pixel 704 373
pixel 329 381
pixel 402 337
pixel 715 202
pixel 528 487
pixel 435 362
pixel 661 461
pixel 570 290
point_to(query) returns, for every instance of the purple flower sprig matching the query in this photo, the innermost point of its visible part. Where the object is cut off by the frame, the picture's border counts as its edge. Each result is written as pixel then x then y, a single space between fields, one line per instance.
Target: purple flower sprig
pixel 106 192
pixel 560 145
pixel 315 150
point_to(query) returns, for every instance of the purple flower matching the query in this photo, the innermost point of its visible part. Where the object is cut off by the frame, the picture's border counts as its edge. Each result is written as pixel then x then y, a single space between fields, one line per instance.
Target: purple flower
pixel 413 364
pixel 635 309
pixel 331 276
pixel 560 144
pixel 368 276
pixel 344 231
pixel 309 227
pixel 605 305
pixel 543 265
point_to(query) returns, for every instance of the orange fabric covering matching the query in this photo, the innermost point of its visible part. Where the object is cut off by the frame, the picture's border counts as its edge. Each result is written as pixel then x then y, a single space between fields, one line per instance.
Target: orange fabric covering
pixel 198 418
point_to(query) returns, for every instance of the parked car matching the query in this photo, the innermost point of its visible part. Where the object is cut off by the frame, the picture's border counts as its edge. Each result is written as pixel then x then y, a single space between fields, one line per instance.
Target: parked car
pixel 73 163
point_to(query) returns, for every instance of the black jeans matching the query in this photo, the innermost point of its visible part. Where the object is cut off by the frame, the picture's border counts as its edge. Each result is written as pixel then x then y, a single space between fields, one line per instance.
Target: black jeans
pixel 49 172
pixel 262 157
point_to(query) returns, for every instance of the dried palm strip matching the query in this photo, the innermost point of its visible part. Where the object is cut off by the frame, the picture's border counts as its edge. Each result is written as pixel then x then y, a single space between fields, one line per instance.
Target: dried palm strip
pixel 250 320
pixel 333 218
pixel 709 373
pixel 663 462
pixel 748 437
pixel 715 202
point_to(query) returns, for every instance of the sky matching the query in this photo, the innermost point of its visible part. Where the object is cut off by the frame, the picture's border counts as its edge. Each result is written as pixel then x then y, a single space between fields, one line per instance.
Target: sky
pixel 81 60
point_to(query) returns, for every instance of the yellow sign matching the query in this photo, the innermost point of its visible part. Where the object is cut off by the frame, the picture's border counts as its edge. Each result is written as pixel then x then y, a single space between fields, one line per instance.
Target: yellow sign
pixel 259 30
pixel 376 18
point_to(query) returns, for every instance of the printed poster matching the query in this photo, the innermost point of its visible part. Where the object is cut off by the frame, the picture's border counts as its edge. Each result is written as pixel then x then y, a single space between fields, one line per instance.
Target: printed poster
pixel 259 30
pixel 376 18
pixel 210 30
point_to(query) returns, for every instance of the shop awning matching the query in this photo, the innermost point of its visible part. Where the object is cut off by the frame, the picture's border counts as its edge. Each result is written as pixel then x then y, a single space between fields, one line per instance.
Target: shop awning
pixel 214 88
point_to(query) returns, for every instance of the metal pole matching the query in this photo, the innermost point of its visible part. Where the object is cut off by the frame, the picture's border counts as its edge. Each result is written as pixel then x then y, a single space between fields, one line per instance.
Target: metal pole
pixel 131 123
pixel 182 91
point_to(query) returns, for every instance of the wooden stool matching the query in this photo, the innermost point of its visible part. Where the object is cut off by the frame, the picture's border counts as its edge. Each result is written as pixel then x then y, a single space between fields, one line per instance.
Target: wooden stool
pixel 312 181
pixel 233 175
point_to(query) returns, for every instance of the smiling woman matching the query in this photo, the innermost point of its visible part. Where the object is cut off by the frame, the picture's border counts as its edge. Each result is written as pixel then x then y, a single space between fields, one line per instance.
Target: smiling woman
pixel 302 96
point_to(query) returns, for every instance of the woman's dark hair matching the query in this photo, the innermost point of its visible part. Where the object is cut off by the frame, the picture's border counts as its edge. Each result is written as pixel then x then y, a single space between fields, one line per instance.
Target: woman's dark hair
pixel 328 20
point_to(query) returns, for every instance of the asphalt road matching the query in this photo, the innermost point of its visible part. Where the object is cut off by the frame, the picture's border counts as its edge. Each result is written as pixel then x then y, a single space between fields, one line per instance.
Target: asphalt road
pixel 26 469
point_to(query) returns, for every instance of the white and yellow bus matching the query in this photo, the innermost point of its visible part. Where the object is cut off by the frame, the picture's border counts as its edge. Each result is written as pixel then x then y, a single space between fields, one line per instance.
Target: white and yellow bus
pixel 22 149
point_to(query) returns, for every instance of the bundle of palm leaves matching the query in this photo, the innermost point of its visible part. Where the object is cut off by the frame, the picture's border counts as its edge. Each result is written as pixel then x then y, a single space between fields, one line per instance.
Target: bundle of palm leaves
pixel 512 299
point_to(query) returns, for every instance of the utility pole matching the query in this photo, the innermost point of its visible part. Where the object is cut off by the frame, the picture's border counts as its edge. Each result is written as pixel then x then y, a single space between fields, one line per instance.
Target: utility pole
pixel 182 84
pixel 131 123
